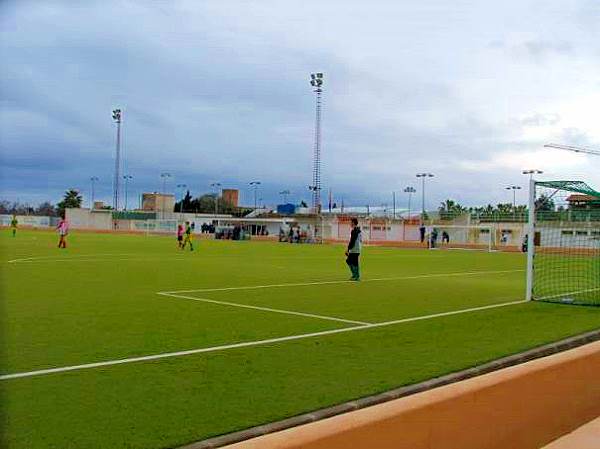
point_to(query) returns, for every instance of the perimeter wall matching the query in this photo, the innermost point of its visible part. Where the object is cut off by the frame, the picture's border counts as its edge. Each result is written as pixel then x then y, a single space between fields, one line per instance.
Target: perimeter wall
pixel 521 407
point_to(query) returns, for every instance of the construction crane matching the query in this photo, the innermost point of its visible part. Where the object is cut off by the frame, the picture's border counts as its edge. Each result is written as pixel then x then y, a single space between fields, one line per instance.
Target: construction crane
pixel 573 148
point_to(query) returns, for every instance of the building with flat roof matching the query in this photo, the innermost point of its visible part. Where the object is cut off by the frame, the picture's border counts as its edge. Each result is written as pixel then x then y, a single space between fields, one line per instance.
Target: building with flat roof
pixel 158 202
pixel 231 196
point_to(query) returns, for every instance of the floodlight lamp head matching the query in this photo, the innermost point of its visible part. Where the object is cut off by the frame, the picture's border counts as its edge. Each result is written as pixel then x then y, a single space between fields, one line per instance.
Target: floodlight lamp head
pixel 319 75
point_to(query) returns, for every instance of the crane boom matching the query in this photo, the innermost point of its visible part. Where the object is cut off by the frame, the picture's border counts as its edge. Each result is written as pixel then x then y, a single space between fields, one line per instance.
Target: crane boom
pixel 573 148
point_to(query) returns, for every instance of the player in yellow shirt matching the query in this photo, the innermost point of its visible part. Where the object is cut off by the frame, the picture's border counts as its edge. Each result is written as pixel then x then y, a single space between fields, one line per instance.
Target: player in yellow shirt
pixel 13 224
pixel 188 236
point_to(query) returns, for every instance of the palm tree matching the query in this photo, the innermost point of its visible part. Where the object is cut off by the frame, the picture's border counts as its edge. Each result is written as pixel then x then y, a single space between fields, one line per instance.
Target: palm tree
pixel 72 199
pixel 451 208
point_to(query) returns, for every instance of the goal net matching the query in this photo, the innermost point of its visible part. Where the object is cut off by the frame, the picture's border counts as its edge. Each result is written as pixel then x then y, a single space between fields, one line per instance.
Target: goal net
pixel 465 237
pixel 381 231
pixel 564 256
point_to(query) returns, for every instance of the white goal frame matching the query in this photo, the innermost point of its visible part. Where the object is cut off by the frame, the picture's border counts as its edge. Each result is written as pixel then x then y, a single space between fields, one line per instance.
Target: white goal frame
pixel 491 236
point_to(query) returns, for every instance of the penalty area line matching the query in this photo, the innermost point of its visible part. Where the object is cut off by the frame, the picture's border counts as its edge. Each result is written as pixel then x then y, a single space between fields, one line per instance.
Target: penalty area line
pixel 302 284
pixel 247 344
pixel 264 309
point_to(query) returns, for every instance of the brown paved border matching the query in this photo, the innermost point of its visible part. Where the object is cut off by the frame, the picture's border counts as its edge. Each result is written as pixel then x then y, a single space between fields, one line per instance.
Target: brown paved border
pixel 541 351
pixel 584 437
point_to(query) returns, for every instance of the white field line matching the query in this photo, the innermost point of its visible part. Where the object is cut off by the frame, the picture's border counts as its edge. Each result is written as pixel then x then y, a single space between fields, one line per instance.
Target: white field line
pixel 74 256
pixel 569 293
pixel 126 259
pixel 246 344
pixel 301 284
pixel 265 309
pixel 95 258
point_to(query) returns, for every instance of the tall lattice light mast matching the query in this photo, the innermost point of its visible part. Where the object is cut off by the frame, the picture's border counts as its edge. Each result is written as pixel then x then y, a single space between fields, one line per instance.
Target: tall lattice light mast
pixel 116 115
pixel 316 81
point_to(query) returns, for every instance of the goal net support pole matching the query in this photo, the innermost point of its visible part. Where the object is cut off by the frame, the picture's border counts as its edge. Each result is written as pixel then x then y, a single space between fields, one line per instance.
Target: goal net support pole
pixel 530 239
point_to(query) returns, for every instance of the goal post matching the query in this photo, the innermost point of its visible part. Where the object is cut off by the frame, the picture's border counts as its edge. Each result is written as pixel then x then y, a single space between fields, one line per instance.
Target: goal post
pixel 563 243
pixel 467 237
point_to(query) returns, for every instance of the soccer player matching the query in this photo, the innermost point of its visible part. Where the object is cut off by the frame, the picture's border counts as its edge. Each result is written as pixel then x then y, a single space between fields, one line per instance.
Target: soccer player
pixel 188 236
pixel 353 250
pixel 422 231
pixel 525 244
pixel 434 237
pixel 63 231
pixel 13 224
pixel 445 237
pixel 180 233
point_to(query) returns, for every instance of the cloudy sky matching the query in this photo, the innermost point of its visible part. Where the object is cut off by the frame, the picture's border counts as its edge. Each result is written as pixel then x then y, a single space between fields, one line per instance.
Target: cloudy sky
pixel 217 91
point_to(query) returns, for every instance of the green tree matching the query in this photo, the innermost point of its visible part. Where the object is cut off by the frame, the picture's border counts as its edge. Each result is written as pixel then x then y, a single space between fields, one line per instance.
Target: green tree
pixel 46 209
pixel 185 205
pixel 544 204
pixel 450 209
pixel 71 199
pixel 204 204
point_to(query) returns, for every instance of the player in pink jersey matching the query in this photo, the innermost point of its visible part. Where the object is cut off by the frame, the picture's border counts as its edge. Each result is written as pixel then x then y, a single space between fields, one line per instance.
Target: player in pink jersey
pixel 63 231
pixel 180 232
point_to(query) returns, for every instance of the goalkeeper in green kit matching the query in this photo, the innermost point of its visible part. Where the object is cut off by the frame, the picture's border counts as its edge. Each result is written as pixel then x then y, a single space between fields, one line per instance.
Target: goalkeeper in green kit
pixel 353 250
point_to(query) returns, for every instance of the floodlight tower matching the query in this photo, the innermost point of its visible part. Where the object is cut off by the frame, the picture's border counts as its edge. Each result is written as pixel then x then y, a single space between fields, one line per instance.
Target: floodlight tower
pixel 93 180
pixel 216 185
pixel 410 190
pixel 285 194
pixel 423 176
pixel 316 81
pixel 181 187
pixel 514 191
pixel 532 172
pixel 164 177
pixel 127 178
pixel 116 115
pixel 255 185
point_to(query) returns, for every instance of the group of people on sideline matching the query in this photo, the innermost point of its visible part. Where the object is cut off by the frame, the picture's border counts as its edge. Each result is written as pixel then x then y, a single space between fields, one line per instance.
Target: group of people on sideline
pixel 431 235
pixel 295 234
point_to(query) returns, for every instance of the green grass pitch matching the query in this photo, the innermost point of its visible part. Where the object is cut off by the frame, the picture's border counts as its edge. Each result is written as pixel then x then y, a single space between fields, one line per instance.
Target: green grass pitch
pixel 98 301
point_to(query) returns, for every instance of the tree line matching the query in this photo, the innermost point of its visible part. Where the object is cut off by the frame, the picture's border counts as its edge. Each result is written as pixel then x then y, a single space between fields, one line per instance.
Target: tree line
pixel 451 208
pixel 208 203
pixel 71 198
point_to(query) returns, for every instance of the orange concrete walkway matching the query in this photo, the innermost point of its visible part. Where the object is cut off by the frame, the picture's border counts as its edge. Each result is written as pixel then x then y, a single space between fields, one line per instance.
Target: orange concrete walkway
pixel 521 407
pixel 586 437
